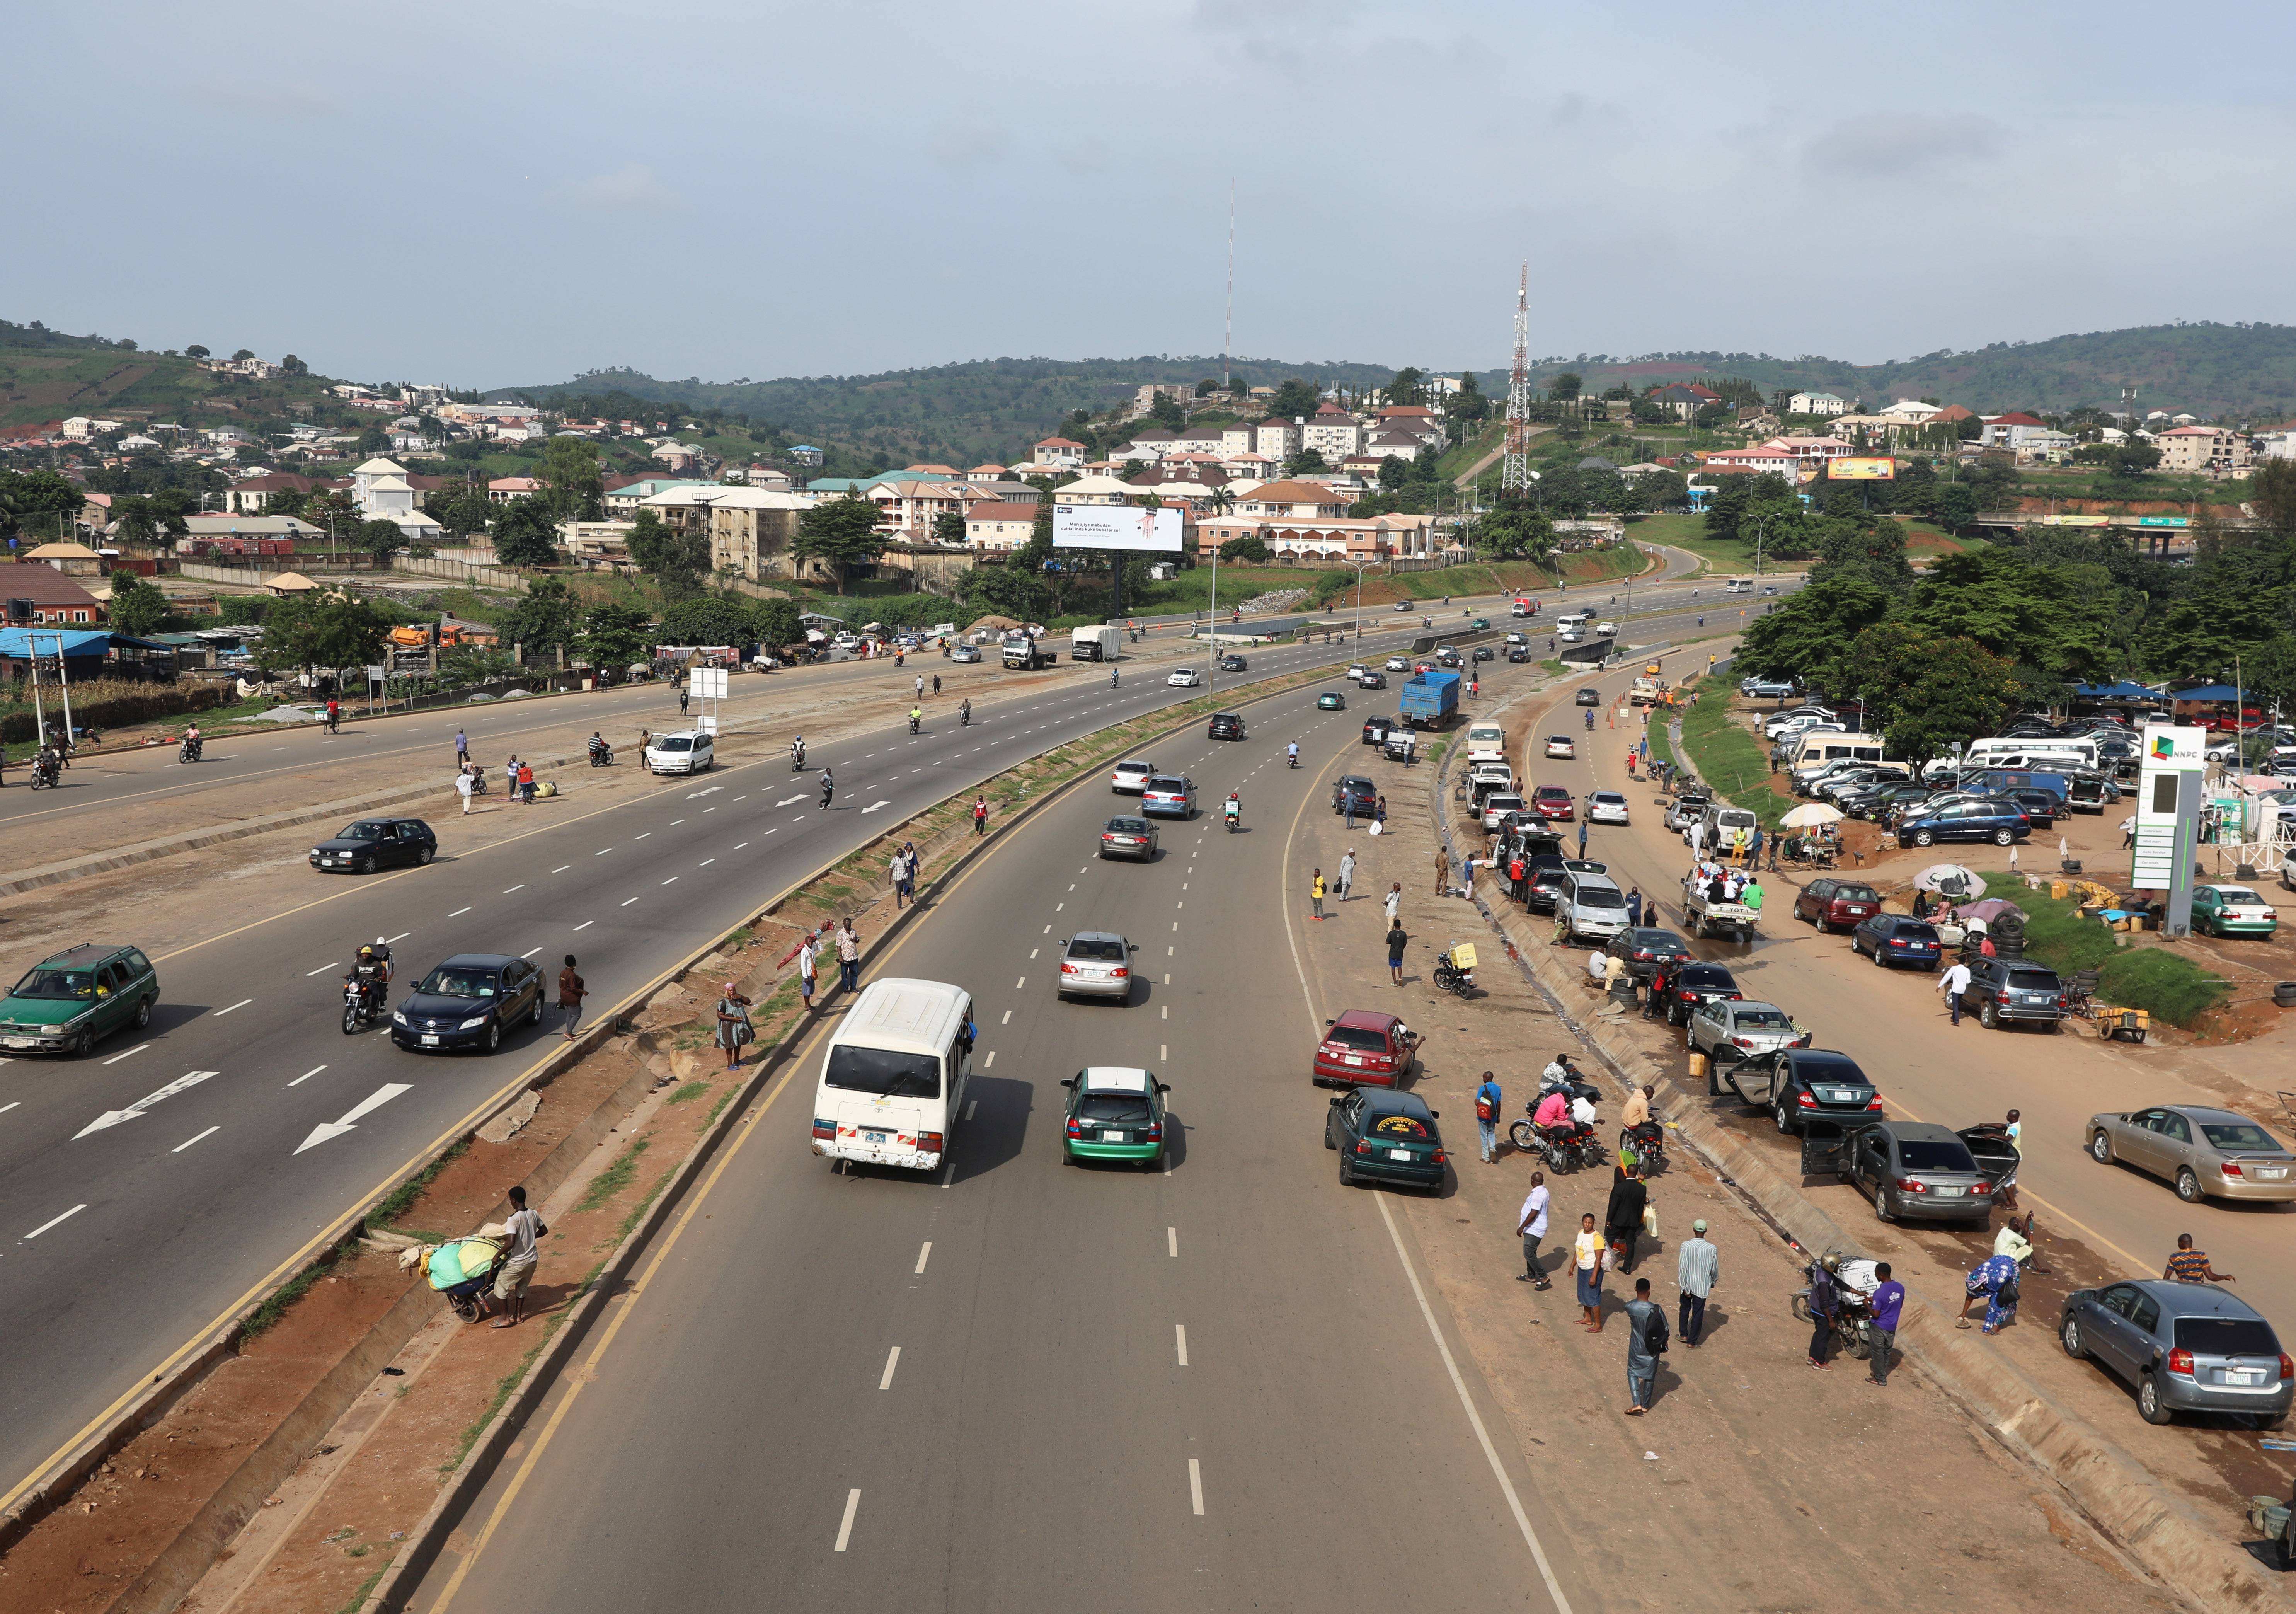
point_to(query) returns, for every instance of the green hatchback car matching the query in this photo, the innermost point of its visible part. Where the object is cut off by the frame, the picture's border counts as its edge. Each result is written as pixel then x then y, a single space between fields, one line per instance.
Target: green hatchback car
pixel 1330 701
pixel 2221 910
pixel 70 1002
pixel 1115 1113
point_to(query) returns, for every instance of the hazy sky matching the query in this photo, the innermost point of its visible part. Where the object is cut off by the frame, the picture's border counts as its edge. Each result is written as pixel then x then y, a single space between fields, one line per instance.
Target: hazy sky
pixel 491 194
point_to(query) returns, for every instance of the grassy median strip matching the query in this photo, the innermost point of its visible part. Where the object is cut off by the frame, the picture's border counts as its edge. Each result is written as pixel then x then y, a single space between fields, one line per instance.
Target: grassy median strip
pixel 1727 757
pixel 2167 985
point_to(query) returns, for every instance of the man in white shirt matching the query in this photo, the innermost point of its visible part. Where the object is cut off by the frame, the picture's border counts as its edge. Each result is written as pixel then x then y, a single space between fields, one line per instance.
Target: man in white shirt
pixel 518 1258
pixel 1952 983
pixel 1394 902
pixel 1533 1228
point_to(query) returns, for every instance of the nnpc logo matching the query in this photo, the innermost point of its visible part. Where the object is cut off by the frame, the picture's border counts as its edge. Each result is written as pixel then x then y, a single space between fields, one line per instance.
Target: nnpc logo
pixel 2164 748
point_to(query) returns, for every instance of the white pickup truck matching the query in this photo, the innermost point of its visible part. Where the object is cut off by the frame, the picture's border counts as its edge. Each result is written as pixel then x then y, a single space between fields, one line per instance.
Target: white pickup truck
pixel 1704 916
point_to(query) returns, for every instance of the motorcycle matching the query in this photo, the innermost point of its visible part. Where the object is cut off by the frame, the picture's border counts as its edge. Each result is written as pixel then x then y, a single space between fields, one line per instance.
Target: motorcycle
pixel 913 723
pixel 1647 1142
pixel 964 715
pixel 190 750
pixel 47 772
pixel 602 755
pixel 1233 815
pixel 1452 978
pixel 797 759
pixel 363 1003
pixel 1294 758
pixel 1854 1283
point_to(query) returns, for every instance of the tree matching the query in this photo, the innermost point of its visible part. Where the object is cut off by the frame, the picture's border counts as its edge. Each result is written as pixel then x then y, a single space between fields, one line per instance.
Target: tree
pixel 37 501
pixel 464 665
pixel 328 630
pixel 1250 547
pixel 1165 410
pixel 1009 589
pixel 710 619
pixel 1207 387
pixel 1802 637
pixel 1296 399
pixel 1931 693
pixel 374 439
pixel 1408 387
pixel 380 539
pixel 843 533
pixel 524 535
pixel 333 511
pixel 548 620
pixel 1741 497
pixel 2052 618
pixel 461 508
pixel 196 351
pixel 1515 530
pixel 614 635
pixel 1955 506
pixel 241 354
pixel 294 366
pixel 578 491
pixel 948 526
pixel 137 607
pixel 776 622
pixel 1567 386
pixel 1306 459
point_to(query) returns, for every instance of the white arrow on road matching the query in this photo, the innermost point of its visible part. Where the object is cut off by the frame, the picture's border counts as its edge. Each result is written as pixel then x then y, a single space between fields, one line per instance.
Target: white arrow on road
pixel 787 799
pixel 712 791
pixel 873 805
pixel 112 1118
pixel 373 1100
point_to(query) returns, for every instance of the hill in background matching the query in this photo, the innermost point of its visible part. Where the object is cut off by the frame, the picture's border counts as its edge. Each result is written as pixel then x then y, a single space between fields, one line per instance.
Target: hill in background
pixel 46 375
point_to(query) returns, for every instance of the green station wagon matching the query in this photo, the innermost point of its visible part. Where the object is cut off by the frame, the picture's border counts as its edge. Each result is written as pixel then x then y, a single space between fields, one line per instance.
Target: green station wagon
pixel 1114 1113
pixel 2225 910
pixel 72 1001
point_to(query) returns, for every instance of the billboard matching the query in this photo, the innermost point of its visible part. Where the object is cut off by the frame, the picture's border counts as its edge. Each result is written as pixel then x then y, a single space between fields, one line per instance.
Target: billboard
pixel 1849 469
pixel 2168 816
pixel 1116 527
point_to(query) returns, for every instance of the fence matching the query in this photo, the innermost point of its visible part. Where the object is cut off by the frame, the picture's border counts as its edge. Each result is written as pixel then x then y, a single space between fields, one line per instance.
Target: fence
pixel 460 571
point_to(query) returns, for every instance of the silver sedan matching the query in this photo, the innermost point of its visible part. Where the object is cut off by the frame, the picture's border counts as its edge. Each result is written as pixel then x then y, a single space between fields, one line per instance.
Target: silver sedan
pixel 1096 963
pixel 2205 1152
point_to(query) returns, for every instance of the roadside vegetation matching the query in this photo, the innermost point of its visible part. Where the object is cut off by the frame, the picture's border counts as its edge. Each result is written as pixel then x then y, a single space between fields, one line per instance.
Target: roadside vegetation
pixel 2169 985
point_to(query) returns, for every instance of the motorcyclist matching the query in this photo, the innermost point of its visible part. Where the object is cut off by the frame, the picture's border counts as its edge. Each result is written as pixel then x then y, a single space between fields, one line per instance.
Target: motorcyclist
pixel 797 752
pixel 1111 677
pixel 372 972
pixel 1291 753
pixel 598 746
pixel 1590 719
pixel 192 739
pixel 828 787
pixel 916 717
pixel 964 712
pixel 1231 809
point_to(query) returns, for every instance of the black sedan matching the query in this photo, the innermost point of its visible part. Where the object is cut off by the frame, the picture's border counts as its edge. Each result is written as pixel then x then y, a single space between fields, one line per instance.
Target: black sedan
pixel 1893 938
pixel 469 1002
pixel 1375 730
pixel 1355 788
pixel 2042 807
pixel 1225 726
pixel 1385 1137
pixel 1483 652
pixel 1233 663
pixel 376 843
pixel 1518 655
pixel 1694 983
pixel 1372 680
pixel 1798 1086
pixel 1647 951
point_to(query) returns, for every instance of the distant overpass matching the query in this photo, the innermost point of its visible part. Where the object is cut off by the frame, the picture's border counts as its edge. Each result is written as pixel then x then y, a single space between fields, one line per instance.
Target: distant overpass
pixel 2166 533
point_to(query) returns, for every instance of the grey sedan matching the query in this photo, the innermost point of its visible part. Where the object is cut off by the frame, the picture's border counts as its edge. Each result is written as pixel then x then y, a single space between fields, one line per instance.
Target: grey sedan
pixel 1727 1030
pixel 1096 963
pixel 2205 1152
pixel 2184 1347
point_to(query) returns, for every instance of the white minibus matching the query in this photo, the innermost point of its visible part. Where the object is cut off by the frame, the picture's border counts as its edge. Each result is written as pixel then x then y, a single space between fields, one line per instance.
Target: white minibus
pixel 893 1077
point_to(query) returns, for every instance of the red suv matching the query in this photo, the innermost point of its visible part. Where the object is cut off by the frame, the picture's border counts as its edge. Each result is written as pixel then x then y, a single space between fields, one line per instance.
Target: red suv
pixel 1364 1048
pixel 1553 801
pixel 1829 903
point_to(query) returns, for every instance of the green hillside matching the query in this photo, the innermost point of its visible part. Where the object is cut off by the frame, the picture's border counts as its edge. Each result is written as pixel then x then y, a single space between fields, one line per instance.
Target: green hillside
pixel 45 375
pixel 2241 370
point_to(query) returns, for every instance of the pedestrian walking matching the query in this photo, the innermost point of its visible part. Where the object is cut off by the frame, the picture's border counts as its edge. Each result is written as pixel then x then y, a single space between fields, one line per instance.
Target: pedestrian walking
pixel 1379 815
pixel 733 1029
pixel 1622 1220
pixel 2189 1265
pixel 2127 832
pixel 1587 1254
pixel 806 967
pixel 1952 983
pixel 521 1228
pixel 1396 939
pixel 1347 807
pixel 1889 1301
pixel 1774 853
pixel 1824 1306
pixel 571 991
pixel 1532 1226
pixel 1697 1269
pixel 464 785
pixel 461 749
pixel 1347 873
pixel 682 692
pixel 849 956
pixel 1442 873
pixel 1488 1099
pixel 1393 902
pixel 1646 1342
pixel 897 871
pixel 981 816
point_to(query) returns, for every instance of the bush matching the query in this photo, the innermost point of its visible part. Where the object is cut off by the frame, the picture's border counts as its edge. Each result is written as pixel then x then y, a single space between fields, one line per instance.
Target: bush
pixel 2168 985
pixel 109 705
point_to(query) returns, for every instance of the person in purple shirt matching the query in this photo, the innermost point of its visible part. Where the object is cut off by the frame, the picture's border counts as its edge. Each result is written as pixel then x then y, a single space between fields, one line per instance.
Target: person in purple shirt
pixel 1888 1299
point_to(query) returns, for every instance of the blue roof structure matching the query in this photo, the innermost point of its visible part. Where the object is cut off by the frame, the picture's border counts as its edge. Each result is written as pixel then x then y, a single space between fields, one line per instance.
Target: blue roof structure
pixel 2208 692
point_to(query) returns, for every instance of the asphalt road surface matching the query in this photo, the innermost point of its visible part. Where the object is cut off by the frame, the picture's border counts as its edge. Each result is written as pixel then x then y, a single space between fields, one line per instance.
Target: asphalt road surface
pixel 1020 1385
pixel 206 1187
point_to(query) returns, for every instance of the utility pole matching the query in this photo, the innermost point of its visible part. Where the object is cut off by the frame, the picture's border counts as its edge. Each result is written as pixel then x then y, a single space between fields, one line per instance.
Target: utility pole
pixel 1514 465
pixel 1227 331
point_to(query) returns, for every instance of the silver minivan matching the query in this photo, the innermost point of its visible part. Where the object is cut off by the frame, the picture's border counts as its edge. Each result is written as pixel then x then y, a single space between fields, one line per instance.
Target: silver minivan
pixel 1591 906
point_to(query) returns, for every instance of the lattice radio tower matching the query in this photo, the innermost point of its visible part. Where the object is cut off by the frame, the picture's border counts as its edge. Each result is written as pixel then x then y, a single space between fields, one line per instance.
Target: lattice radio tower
pixel 1514 467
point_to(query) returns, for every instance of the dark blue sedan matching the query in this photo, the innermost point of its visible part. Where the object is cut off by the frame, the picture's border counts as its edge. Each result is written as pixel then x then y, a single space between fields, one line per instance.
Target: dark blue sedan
pixel 1893 938
pixel 471 1001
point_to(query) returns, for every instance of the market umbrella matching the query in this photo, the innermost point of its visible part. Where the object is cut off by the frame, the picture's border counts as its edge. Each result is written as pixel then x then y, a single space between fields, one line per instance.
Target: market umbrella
pixel 1948 879
pixel 1989 910
pixel 1810 815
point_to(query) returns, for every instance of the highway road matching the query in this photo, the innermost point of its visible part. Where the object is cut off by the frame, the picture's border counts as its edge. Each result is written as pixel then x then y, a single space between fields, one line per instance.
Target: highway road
pixel 1028 1386
pixel 187 1205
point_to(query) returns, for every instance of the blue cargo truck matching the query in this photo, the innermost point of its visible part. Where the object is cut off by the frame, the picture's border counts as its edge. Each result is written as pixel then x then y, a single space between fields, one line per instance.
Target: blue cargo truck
pixel 1431 699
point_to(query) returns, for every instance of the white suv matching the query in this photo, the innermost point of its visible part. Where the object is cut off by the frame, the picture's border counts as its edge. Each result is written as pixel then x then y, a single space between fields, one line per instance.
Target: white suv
pixel 1131 778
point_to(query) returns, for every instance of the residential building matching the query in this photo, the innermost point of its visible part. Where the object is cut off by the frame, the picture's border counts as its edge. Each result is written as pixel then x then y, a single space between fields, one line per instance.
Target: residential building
pixel 1060 453
pixel 67 558
pixel 1326 538
pixel 1772 458
pixel 623 501
pixel 2010 431
pixel 1816 403
pixel 364 477
pixel 908 506
pixel 1296 500
pixel 1237 436
pixel 1683 400
pixel 1332 432
pixel 55 597
pixel 806 455
pixel 1146 447
pixel 1402 444
pixel 1913 411
pixel 999 525
pixel 490 415
pixel 503 489
pixel 250 494
pixel 1145 398
pixel 2198 450
pixel 1096 490
pixel 197 530
pixel 750 529
pixel 1277 438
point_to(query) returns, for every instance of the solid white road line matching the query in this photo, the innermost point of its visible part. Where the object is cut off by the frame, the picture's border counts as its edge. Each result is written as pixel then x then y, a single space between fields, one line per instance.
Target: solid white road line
pixel 1180 1334
pixel 891 1361
pixel 990 1061
pixel 187 1142
pixel 923 1256
pixel 530 952
pixel 1008 1020
pixel 306 1076
pixel 323 969
pixel 242 1004
pixel 139 1047
pixel 1172 1242
pixel 520 887
pixel 852 1506
pixel 561 868
pixel 44 1227
pixel 11 1104
pixel 970 1106
pixel 1195 1487
pixel 628 904
pixel 585 924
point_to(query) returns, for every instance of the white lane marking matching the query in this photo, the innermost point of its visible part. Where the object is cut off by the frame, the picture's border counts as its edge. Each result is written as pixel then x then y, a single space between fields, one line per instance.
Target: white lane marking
pixel 673 823
pixel 873 805
pixel 1072 885
pixel 1180 1337
pixel 520 887
pixel 1475 1418
pixel 242 1004
pixel 1167 979
pixel 1048 929
pixel 852 1506
pixel 923 1256
pixel 44 1227
pixel 530 952
pixel 671 880
pixel 1019 983
pixel 1008 1020
pixel 1195 1487
pixel 602 851
pixel 971 1105
pixel 1034 951
pixel 561 868
pixel 628 904
pixel 745 843
pixel 1172 1242
pixel 1176 924
pixel 707 861
pixel 585 924
pixel 990 1061
pixel 323 969
pixel 11 1104
pixel 740 797
pixel 1058 906
pixel 306 1076
pixel 457 914
pixel 786 800
pixel 112 1118
pixel 376 1099
pixel 387 941
pixel 187 1142
pixel 139 1047
pixel 1168 1011
pixel 892 1360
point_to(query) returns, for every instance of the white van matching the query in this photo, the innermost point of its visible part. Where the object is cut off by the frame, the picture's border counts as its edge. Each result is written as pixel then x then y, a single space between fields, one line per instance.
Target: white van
pixel 1591 906
pixel 893 1077
pixel 1723 821
pixel 1737 585
pixel 687 752
pixel 1486 741
pixel 1822 746
pixel 2048 755
pixel 1574 619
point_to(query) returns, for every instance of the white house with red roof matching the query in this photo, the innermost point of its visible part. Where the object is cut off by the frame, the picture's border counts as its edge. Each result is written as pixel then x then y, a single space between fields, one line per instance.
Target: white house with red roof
pixel 2010 431
pixel 1060 453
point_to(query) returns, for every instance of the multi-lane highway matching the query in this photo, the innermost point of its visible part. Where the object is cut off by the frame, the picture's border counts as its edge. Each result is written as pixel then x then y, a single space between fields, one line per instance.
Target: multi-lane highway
pixel 1034 1386
pixel 190 1203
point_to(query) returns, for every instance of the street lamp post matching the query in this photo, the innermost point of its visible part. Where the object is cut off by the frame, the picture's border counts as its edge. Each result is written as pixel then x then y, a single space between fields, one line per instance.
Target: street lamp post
pixel 1359 566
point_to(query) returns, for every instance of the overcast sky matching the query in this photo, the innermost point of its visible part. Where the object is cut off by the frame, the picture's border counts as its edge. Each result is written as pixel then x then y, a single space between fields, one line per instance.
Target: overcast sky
pixel 484 195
